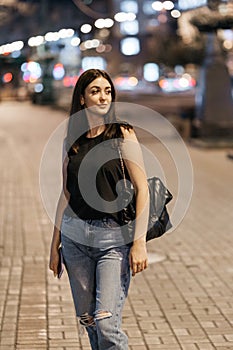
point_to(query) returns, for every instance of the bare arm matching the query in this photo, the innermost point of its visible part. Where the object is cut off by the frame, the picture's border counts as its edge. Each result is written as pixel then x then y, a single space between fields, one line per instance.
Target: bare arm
pixel 133 158
pixel 62 203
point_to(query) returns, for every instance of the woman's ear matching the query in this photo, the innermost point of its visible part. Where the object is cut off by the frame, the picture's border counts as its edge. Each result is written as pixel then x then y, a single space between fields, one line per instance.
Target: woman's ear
pixel 82 102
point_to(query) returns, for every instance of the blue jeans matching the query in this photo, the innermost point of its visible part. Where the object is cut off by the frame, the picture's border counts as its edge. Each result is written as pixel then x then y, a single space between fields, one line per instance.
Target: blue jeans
pixel 99 279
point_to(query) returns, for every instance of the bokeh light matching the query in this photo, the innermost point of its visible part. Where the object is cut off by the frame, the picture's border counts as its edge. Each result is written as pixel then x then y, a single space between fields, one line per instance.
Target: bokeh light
pixel 86 28
pixel 52 36
pixel 129 6
pixel 189 4
pixel 35 40
pixel 129 27
pixel 75 41
pixel 123 16
pixel 58 71
pixel 8 48
pixel 168 5
pixel 70 81
pixel 93 62
pixel 157 6
pixel 175 13
pixel 66 33
pixel 130 46
pixel 38 88
pixel 7 77
pixel 100 23
pixel 151 72
pixel 31 71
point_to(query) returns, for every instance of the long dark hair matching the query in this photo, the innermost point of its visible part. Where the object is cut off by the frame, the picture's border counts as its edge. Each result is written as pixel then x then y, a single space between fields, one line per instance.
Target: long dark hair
pixel 78 124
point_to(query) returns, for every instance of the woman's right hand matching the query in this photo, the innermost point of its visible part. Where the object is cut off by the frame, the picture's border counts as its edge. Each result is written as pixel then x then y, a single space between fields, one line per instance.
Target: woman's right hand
pixel 54 260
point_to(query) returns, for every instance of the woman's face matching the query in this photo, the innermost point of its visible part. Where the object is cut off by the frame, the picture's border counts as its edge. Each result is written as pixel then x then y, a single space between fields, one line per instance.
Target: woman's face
pixel 97 96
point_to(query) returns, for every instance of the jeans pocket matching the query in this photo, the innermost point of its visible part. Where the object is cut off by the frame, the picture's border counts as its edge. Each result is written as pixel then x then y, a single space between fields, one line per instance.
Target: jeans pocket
pixel 66 219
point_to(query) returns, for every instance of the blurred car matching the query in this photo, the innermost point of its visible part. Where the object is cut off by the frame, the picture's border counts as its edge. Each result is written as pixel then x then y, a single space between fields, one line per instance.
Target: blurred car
pixel 175 84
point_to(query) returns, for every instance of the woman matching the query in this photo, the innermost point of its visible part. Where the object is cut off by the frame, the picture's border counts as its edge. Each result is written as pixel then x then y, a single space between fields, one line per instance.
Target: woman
pixel 97 253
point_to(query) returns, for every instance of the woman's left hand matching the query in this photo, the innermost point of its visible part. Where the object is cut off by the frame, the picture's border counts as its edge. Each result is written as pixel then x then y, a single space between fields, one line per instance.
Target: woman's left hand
pixel 138 256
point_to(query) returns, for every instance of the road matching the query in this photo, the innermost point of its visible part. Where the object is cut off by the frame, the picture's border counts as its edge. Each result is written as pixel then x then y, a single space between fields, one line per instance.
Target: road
pixel 182 301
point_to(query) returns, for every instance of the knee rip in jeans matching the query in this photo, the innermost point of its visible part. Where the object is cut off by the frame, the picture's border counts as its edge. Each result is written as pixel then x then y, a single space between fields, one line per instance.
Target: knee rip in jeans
pixel 101 314
pixel 87 320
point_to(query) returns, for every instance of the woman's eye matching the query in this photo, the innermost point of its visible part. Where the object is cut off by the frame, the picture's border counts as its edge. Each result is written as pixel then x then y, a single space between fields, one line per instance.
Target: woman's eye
pixel 108 92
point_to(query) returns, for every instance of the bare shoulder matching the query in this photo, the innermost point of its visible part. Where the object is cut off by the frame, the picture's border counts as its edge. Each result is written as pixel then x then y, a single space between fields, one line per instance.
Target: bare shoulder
pixel 128 133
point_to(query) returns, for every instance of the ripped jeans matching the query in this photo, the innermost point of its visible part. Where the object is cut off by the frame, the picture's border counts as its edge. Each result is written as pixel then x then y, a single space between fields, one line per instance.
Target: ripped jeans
pixel 99 279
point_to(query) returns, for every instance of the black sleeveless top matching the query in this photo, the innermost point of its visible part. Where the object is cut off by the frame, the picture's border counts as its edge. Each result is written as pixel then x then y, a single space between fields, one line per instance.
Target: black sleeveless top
pixel 92 177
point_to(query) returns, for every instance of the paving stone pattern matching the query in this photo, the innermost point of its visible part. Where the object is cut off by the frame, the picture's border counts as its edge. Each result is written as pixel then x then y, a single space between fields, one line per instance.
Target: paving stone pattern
pixel 184 301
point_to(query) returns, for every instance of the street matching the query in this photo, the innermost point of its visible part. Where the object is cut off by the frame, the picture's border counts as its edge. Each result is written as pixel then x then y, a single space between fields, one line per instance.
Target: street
pixel 183 301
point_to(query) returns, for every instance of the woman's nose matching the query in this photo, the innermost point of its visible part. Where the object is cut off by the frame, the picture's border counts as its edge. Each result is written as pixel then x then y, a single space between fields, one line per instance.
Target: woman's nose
pixel 102 96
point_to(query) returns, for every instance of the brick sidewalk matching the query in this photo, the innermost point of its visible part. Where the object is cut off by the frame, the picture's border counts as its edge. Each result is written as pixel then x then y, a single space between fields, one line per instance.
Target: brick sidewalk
pixel 182 302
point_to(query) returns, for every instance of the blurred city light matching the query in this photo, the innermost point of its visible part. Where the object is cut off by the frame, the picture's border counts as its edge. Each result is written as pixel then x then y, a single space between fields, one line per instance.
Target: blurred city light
pixel 89 44
pixel 130 46
pixel 100 48
pixel 70 81
pixel 175 13
pixel 52 36
pixel 151 72
pixel 133 81
pixel 125 83
pixel 168 5
pixel 93 62
pixel 129 6
pixel 227 44
pixel 8 48
pixel 86 28
pixel 104 48
pixel 226 36
pixel 108 22
pixel 104 23
pixel 104 33
pixel 123 16
pixel 189 4
pixel 100 23
pixel 108 48
pixel 31 71
pixel 157 5
pixel 184 83
pixel 7 77
pixel 66 33
pixel 38 88
pixel 147 8
pixel 58 71
pixel 75 41
pixel 35 40
pixel 129 27
pixel 24 67
pixel 15 54
pixel 179 70
pixel 95 43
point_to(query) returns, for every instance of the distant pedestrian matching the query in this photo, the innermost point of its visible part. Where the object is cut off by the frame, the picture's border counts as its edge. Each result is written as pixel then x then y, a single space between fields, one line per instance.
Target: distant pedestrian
pixel 97 254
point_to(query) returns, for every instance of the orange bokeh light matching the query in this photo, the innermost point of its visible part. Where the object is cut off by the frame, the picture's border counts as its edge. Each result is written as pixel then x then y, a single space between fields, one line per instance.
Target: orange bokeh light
pixel 7 77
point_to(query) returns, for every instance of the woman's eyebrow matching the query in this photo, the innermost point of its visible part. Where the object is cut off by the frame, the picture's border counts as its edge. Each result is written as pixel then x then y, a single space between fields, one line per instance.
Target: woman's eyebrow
pixel 98 87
